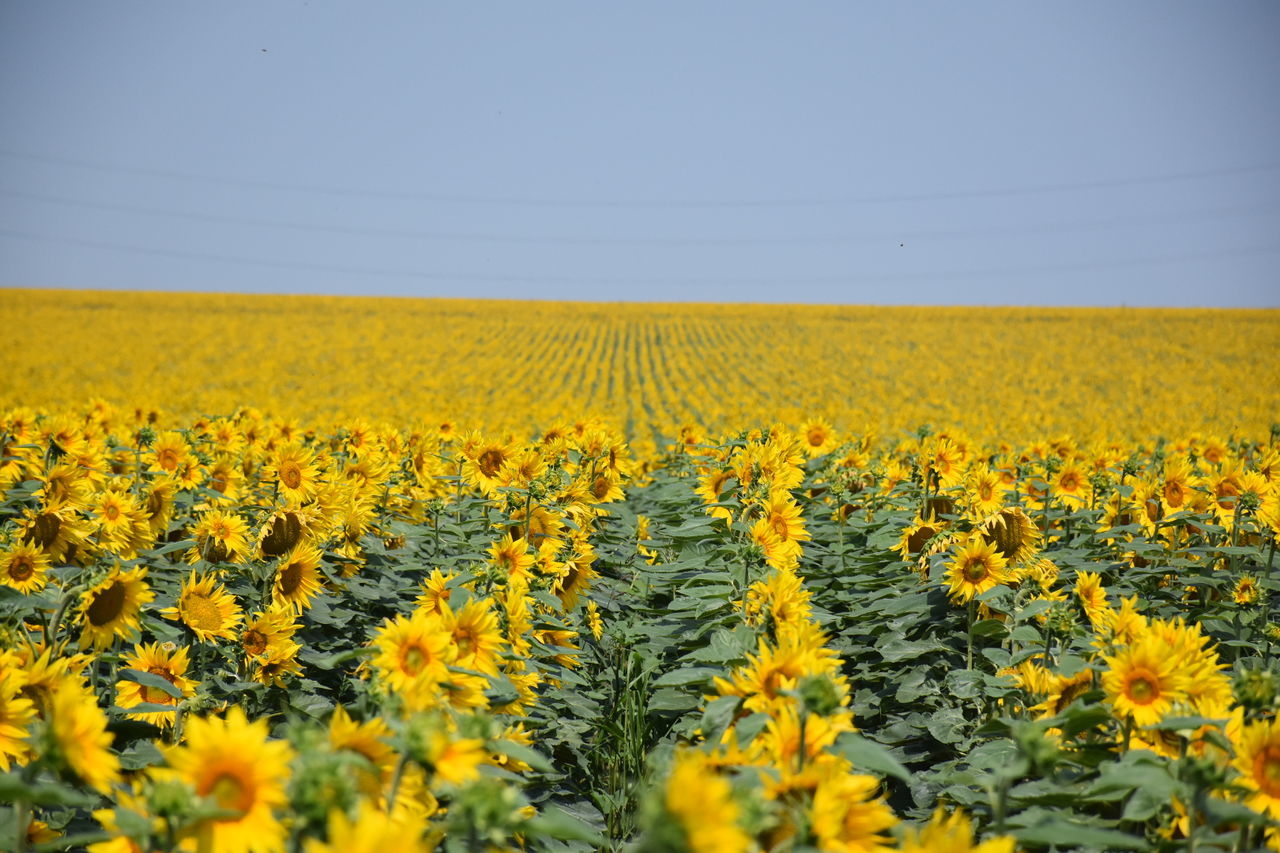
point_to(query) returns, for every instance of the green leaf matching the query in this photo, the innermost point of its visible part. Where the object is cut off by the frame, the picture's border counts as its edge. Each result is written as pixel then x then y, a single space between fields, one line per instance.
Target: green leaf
pixel 520 752
pixel 687 675
pixel 554 822
pixel 1059 833
pixel 150 679
pixel 868 755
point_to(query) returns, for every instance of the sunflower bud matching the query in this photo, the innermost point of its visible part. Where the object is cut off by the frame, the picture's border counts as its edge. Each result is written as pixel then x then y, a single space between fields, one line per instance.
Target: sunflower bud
pixel 1256 689
pixel 818 694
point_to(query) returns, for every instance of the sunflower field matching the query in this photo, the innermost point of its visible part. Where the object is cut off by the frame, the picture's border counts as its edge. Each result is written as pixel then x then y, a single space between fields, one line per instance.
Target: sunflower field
pixel 320 574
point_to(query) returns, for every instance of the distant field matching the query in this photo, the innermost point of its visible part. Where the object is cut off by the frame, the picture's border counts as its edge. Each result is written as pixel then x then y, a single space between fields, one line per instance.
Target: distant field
pixel 1005 374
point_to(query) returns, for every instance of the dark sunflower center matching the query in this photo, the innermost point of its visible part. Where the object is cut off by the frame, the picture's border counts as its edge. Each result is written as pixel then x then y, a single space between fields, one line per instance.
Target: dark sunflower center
pixel 107 605
pixel 291 579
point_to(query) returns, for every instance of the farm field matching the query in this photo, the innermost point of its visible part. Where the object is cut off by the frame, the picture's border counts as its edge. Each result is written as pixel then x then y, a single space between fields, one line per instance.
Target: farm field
pixel 303 573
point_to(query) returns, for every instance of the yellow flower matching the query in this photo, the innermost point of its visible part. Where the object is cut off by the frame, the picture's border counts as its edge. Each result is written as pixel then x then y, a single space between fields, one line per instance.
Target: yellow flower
pixel 976 568
pixel 110 609
pixel 267 631
pixel 413 648
pixel 372 831
pixel 79 731
pixel 701 802
pixel 221 537
pixel 23 568
pixel 848 817
pixel 369 740
pixel 1144 681
pixel 16 713
pixel 512 556
pixel 233 764
pixel 951 834
pixel 476 636
pixel 297 473
pixel 1093 598
pixel 205 606
pixel 298 578
pixel 157 660
pixel 1258 760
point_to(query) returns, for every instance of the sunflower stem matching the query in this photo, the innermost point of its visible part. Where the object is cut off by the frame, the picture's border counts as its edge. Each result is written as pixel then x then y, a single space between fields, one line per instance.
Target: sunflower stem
pixel 968 652
pixel 395 781
pixel 1266 598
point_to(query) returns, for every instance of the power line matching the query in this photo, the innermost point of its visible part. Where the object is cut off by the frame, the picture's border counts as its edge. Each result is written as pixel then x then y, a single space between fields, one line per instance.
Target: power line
pixel 1092 224
pixel 518 201
pixel 536 279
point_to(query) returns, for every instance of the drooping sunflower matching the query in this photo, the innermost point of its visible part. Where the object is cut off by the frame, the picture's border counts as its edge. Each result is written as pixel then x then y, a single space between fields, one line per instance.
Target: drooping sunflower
pixel 23 567
pixel 234 765
pixel 298 578
pixel 1258 760
pixel 110 609
pixel 976 567
pixel 277 662
pixel 1015 536
pixel 205 606
pixel 1144 681
pixel 170 665
pixel 435 592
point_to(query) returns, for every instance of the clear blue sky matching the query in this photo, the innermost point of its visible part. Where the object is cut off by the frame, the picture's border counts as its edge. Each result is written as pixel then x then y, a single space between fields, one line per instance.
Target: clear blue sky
pixel 1084 153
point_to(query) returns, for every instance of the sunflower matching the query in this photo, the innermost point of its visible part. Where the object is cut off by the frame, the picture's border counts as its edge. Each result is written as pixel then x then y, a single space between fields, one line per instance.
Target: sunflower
pixel 1258 760
pixel 168 453
pixel 701 802
pixel 372 831
pixel 277 662
pixel 474 628
pixel 298 578
pixel 221 537
pixel 1179 485
pixel 436 591
pixel 512 556
pixel 297 473
pixel 778 553
pixel 916 535
pixel 780 599
pixel 205 606
pixel 121 524
pixel 110 609
pixel 164 662
pixel 1071 486
pixel 79 734
pixel 954 834
pixel 413 648
pixel 976 567
pixel 984 492
pixel 235 766
pixel 55 529
pixel 483 461
pixel 848 817
pixel 1246 590
pixel 817 437
pixel 370 740
pixel 16 713
pixel 1093 597
pixel 23 567
pixel 1144 680
pixel 1014 535
pixel 784 516
pixel 268 631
